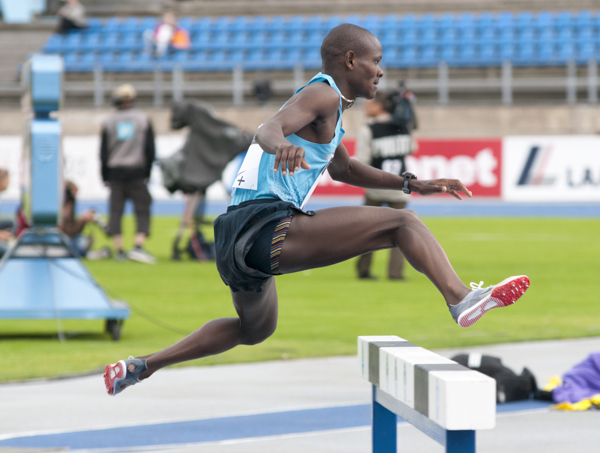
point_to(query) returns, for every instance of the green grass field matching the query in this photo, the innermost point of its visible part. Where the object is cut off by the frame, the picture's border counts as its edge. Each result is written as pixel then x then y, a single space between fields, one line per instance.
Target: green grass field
pixel 323 311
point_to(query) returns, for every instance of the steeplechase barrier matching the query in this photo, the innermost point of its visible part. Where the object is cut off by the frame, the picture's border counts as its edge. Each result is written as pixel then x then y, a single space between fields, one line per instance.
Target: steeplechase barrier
pixel 443 399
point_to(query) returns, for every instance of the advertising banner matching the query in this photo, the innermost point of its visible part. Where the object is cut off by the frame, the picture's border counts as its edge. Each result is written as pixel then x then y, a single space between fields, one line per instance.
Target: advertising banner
pixel 551 169
pixel 477 163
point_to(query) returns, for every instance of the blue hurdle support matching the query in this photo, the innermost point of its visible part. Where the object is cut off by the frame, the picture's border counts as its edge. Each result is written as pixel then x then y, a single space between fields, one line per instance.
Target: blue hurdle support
pixel 443 399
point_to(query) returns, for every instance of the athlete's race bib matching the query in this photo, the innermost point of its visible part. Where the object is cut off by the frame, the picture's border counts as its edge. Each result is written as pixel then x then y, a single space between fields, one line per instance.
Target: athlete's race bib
pixel 247 177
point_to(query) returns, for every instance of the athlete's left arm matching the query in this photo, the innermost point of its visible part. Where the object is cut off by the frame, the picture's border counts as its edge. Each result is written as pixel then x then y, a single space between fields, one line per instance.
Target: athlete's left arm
pixel 350 171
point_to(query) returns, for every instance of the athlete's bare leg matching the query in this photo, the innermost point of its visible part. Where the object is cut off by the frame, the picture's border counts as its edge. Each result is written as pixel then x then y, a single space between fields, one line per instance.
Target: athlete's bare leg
pixel 338 234
pixel 256 322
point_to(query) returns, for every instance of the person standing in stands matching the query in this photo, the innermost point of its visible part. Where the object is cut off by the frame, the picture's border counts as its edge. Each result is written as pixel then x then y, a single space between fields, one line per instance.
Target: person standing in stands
pixel 127 152
pixel 166 34
pixel 71 17
pixel 383 144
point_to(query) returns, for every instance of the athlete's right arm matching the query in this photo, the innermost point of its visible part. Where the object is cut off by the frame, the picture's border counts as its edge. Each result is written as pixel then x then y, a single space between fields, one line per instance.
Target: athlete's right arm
pixel 312 103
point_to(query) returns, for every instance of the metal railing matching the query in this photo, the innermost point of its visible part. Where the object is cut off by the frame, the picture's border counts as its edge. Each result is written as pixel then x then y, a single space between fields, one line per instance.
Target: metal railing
pixel 237 87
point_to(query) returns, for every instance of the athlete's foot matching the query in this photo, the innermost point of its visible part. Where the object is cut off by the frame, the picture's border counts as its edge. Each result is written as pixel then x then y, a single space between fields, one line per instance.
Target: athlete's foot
pixel 122 374
pixel 481 300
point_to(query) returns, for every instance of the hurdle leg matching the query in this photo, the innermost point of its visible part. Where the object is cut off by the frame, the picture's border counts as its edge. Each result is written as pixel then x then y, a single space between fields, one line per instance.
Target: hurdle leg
pixel 384 428
pixel 460 441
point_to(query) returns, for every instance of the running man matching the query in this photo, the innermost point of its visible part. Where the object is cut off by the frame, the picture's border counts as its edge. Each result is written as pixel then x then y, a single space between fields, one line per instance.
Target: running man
pixel 265 231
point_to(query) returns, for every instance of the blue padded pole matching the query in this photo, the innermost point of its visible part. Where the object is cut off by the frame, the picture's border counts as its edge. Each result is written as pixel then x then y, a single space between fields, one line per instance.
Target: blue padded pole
pixel 384 428
pixel 460 441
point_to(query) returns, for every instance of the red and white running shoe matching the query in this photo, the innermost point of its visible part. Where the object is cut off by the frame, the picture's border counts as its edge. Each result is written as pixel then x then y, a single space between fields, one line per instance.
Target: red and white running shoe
pixel 122 374
pixel 481 300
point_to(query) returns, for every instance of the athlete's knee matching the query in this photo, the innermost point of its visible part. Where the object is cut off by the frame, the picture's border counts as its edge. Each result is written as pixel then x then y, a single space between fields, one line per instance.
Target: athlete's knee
pixel 407 217
pixel 255 335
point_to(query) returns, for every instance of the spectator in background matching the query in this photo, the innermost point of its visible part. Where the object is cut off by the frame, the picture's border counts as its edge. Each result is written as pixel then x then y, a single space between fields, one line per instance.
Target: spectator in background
pixel 72 226
pixel 6 226
pixel 167 33
pixel 126 153
pixel 383 144
pixel 71 17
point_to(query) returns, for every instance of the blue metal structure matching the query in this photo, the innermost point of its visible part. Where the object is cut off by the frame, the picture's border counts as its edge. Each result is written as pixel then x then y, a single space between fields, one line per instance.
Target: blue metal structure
pixel 385 418
pixel 42 276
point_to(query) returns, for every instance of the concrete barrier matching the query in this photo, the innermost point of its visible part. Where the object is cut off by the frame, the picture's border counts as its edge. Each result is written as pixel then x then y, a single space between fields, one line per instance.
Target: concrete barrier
pixel 445 400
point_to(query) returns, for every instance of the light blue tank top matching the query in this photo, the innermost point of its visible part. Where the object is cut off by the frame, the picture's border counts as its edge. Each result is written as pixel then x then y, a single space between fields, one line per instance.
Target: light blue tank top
pixel 295 189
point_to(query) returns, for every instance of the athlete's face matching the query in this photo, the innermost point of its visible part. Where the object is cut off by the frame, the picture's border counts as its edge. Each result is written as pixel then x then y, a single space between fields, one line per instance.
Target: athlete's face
pixel 367 71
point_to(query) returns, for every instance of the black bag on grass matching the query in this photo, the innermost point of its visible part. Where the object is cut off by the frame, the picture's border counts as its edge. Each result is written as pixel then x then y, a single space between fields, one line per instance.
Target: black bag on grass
pixel 509 385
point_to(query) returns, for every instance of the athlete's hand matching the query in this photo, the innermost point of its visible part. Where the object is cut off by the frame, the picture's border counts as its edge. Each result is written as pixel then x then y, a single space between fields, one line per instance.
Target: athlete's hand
pixel 433 186
pixel 291 157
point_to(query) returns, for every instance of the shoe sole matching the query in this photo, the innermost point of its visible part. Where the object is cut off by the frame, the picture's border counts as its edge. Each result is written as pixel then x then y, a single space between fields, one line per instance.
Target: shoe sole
pixel 141 258
pixel 113 374
pixel 505 293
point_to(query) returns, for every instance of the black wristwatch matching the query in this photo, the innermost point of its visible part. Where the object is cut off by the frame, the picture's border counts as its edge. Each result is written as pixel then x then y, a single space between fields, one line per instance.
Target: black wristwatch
pixel 407 177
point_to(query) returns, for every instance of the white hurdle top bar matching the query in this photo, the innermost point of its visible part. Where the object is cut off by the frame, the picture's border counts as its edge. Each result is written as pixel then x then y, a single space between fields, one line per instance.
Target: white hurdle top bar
pixel 421 385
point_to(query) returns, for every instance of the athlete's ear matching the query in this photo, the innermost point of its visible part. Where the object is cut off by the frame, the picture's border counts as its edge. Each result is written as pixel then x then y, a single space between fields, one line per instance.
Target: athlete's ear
pixel 349 59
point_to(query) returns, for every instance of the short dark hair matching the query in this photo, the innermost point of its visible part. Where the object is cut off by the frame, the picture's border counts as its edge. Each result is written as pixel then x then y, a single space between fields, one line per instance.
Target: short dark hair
pixel 341 39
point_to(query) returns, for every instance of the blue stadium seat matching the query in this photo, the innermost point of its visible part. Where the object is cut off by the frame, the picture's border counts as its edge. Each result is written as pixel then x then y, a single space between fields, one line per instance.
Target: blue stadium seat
pixel 584 18
pixel 489 54
pixel 240 39
pixel 547 35
pixel 220 40
pixel 526 54
pixel 565 34
pixel 544 20
pixel 312 58
pixel 449 36
pixel 238 55
pixel 186 23
pixel 449 53
pixel 90 42
pixel 526 34
pixel 259 39
pixel 111 25
pixel 409 36
pixel 488 35
pixel 146 23
pixel 109 42
pixel 278 24
pixel 94 24
pixel 128 25
pixel 430 55
pixel 131 41
pixel 446 21
pixel 564 19
pixel 585 33
pixel 505 19
pixel 72 42
pixel 201 25
pixel 201 40
pixel 566 51
pixel 295 23
pixel 54 44
pixel 277 39
pixel 508 35
pixel 485 21
pixel 221 24
pixel 586 51
pixel 389 36
pixel 468 35
pixel 525 19
pixel 467 55
pixel 507 51
pixel 106 57
pixel 547 54
pixel 429 35
pixel 466 20
pixel 371 22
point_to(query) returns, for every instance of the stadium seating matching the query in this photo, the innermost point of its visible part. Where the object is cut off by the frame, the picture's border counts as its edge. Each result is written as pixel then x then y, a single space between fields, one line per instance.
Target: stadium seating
pixel 279 42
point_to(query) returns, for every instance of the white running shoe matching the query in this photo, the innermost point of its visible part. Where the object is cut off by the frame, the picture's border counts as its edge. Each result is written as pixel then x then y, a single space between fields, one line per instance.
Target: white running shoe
pixel 481 300
pixel 141 255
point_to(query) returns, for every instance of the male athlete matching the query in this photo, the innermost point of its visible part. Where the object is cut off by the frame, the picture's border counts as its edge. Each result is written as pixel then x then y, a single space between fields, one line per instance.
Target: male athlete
pixel 266 231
